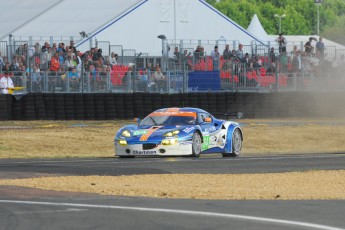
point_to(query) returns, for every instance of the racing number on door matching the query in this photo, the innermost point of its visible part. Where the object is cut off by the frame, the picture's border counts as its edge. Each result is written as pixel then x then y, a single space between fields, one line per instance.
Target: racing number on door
pixel 206 143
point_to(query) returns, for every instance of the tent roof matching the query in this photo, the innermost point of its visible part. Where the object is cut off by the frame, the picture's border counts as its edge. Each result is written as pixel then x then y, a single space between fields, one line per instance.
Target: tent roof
pixel 256 28
pixel 134 24
pixel 59 17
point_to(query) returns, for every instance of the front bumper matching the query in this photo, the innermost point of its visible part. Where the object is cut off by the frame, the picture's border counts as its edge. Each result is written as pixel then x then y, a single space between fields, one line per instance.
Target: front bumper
pixel 147 149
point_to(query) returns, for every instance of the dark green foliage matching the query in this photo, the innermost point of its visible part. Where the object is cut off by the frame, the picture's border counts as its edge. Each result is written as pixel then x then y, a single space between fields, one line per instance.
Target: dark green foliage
pixel 301 15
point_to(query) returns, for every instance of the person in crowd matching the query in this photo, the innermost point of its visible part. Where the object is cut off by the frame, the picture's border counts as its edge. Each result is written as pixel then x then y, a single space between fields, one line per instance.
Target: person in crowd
pixel 239 52
pixel 142 80
pixel 177 53
pixel 55 63
pixel 160 80
pixel 184 60
pixel 227 54
pixel 215 57
pixel 272 54
pixel 61 47
pixel 103 78
pixel 308 48
pixel 14 65
pixel 320 49
pixel 297 63
pixel 74 78
pixel 197 53
pixel 34 77
pixel 272 69
pixel 78 61
pixel 72 47
pixel 93 75
pixel 45 47
pixel 128 78
pixel 69 63
pixel 113 58
pixel 281 43
pixel 6 83
pixel 246 59
pixel 283 61
pixel 97 55
pixel 6 67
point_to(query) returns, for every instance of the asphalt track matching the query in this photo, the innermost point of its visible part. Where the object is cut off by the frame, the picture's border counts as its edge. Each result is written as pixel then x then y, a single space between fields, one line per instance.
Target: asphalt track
pixel 34 209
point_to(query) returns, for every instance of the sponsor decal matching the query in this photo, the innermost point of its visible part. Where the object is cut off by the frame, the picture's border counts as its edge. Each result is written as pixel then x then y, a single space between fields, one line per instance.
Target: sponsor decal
pixel 210 129
pixel 189 129
pixel 139 132
pixel 206 143
pixel 144 152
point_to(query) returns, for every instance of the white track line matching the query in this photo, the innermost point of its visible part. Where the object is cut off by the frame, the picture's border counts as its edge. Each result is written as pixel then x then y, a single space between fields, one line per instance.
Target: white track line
pixel 185 212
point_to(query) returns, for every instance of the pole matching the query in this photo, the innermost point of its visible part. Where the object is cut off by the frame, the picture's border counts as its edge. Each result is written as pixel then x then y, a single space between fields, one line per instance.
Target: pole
pixel 318 19
pixel 280 24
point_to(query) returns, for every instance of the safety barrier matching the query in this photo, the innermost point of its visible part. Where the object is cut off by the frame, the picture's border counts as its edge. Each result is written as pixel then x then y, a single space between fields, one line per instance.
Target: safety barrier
pixel 108 106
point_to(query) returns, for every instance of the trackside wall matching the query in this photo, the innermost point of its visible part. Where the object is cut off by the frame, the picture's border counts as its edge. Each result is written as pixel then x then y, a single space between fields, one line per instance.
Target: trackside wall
pixel 107 106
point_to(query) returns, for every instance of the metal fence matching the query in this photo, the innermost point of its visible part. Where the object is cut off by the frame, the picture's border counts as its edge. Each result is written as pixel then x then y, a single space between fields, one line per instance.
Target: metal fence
pixel 259 73
pixel 234 77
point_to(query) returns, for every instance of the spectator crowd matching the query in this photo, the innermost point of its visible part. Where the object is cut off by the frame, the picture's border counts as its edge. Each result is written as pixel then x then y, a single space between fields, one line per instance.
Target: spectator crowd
pixel 60 66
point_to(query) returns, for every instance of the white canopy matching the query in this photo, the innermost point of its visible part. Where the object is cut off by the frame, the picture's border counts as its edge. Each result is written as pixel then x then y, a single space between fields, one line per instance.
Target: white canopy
pixel 135 24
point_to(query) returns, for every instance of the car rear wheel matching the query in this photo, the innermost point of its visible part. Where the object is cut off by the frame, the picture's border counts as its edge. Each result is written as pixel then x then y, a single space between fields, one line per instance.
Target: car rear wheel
pixel 196 146
pixel 236 144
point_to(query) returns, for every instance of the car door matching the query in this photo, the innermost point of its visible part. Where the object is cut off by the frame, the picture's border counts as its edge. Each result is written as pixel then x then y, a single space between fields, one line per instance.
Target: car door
pixel 207 127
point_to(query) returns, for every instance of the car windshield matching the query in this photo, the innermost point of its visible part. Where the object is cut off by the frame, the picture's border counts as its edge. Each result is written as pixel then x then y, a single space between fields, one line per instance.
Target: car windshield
pixel 168 120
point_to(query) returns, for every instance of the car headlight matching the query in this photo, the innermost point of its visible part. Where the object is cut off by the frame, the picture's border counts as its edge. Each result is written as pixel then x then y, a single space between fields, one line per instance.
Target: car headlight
pixel 172 133
pixel 169 141
pixel 122 142
pixel 126 133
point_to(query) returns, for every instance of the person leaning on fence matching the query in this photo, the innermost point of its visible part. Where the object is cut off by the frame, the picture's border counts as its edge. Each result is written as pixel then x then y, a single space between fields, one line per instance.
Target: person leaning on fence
pixel 73 78
pixel 281 43
pixel 160 80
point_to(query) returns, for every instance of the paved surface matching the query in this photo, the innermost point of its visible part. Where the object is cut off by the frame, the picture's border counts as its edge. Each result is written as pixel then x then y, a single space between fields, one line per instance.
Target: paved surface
pixel 23 208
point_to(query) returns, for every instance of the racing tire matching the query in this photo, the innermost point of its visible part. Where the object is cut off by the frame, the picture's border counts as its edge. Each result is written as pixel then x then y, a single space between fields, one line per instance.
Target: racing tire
pixel 236 144
pixel 196 144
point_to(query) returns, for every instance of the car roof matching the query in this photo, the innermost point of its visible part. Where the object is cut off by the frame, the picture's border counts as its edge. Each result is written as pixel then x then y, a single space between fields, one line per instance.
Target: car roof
pixel 184 109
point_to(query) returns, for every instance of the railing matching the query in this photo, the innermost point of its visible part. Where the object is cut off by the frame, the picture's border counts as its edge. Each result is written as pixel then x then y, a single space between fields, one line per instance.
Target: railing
pixel 234 77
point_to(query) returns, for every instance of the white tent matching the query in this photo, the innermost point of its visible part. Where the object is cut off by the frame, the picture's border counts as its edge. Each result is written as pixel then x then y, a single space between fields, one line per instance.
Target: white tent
pixel 256 28
pixel 135 24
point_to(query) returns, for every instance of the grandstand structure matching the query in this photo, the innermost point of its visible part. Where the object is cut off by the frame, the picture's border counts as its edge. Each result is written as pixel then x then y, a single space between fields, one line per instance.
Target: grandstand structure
pixel 144 32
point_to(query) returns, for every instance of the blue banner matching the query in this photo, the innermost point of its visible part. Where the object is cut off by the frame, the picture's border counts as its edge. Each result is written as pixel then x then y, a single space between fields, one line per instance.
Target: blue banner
pixel 203 81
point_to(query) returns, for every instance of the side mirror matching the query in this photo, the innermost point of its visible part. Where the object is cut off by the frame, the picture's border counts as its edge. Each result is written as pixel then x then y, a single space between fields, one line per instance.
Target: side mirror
pixel 137 120
pixel 208 120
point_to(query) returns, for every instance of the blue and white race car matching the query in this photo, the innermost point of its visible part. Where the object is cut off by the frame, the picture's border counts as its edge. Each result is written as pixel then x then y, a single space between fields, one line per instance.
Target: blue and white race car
pixel 179 132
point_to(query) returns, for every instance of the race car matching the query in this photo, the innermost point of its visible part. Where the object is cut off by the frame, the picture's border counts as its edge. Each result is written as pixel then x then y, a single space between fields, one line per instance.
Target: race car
pixel 179 132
